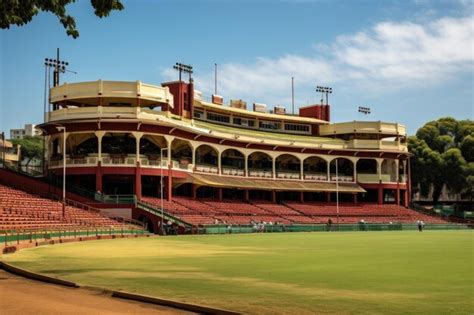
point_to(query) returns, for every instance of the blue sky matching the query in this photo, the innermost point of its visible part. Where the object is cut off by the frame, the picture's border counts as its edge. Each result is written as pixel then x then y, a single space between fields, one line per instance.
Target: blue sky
pixel 409 61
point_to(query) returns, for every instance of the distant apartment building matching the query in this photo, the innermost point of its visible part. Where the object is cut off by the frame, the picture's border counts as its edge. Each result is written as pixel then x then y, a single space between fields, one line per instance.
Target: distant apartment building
pixel 9 154
pixel 29 130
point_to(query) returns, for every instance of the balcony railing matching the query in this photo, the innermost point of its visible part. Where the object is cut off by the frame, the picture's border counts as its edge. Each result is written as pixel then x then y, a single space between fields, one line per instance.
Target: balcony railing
pixel 342 178
pixel 75 161
pixel 145 162
pixel 233 171
pixel 288 175
pixel 316 176
pixel 119 160
pixel 203 168
pixel 260 173
pixel 130 161
pixel 182 165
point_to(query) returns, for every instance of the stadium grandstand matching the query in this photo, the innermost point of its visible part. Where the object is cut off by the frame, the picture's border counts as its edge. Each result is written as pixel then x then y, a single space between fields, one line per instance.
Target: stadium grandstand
pixel 154 153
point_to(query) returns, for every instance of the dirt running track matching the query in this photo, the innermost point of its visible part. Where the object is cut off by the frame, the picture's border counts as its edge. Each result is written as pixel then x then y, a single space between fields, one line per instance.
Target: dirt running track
pixel 23 296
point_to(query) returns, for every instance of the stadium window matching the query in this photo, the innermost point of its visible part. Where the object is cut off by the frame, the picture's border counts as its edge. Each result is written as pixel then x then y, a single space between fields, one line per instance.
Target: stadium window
pixel 198 114
pixel 217 117
pixel 237 121
pixel 297 127
pixel 269 125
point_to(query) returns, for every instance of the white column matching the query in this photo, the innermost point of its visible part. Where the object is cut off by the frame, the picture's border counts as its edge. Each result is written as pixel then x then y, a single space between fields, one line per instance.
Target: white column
pixel 379 169
pixel 64 136
pixel 169 142
pixel 274 167
pixel 328 163
pixel 301 169
pixel 354 164
pixel 169 152
pixel 138 136
pixel 246 166
pixel 397 165
pixel 99 135
pixel 219 162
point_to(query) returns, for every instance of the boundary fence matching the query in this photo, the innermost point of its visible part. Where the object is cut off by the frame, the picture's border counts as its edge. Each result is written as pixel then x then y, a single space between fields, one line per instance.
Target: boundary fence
pixel 15 237
pixel 277 228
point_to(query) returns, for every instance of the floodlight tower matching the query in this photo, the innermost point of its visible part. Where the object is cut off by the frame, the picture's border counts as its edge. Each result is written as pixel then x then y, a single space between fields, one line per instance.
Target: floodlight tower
pixel 324 89
pixel 364 110
pixel 58 65
pixel 180 67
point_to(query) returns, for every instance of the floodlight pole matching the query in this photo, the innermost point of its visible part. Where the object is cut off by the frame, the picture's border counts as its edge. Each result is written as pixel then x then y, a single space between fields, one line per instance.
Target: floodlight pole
pixel 43 160
pixel 324 89
pixel 161 189
pixel 337 194
pixel 3 149
pixel 63 129
pixel 293 95
pixel 215 78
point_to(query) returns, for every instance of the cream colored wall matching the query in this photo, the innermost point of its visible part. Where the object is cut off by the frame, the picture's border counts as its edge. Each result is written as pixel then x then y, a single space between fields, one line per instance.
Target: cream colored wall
pixel 389 168
pixel 113 89
pixel 98 113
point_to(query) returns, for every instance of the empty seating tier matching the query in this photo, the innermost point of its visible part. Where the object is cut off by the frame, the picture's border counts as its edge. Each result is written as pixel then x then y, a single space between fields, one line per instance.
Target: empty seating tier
pixel 21 210
pixel 211 211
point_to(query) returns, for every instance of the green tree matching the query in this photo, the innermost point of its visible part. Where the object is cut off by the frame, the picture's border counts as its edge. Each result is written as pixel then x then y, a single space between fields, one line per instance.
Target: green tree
pixel 443 155
pixel 31 148
pixel 21 12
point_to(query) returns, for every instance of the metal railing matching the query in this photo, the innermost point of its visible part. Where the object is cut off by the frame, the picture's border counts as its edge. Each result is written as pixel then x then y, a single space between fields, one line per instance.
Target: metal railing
pixel 146 206
pixel 115 199
pixel 17 236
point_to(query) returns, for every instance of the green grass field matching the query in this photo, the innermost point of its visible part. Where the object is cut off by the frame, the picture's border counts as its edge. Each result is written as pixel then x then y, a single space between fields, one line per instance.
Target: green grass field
pixel 329 273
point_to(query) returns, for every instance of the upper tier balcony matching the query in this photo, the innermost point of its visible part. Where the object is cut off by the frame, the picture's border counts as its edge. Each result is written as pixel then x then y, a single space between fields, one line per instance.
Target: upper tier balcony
pixel 110 93
pixel 145 115
pixel 364 127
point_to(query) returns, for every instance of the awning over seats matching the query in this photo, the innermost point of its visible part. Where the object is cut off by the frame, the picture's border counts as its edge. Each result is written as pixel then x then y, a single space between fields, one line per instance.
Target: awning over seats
pixel 269 184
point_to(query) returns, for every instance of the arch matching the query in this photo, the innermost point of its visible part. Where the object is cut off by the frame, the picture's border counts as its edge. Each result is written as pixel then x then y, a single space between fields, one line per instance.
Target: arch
pixel 181 149
pixel 151 145
pixel 315 168
pixel 345 168
pixel 287 166
pixel 118 143
pixel 82 144
pixel 207 159
pixel 182 152
pixel 206 154
pixel 260 164
pixel 233 162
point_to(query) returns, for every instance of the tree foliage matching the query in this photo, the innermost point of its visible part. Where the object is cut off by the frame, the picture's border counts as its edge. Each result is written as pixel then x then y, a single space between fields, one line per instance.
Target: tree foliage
pixel 21 12
pixel 443 154
pixel 31 148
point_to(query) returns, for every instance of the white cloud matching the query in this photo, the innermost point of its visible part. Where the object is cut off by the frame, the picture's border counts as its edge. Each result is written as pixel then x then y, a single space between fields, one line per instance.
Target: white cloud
pixel 388 55
pixel 405 52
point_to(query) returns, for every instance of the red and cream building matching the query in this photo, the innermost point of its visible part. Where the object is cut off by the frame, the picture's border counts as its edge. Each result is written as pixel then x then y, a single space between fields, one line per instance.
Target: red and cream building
pixel 121 137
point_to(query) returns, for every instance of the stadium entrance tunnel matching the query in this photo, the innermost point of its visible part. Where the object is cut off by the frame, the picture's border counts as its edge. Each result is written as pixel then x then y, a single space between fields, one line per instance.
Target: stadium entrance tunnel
pixel 148 223
pixel 119 184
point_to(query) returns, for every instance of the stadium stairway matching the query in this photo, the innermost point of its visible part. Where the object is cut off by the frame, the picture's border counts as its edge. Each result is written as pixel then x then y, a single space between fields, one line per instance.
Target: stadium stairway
pixel 156 212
